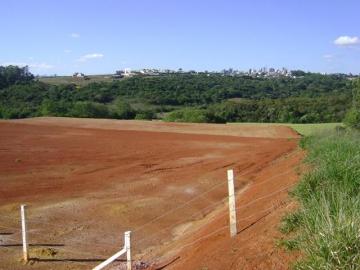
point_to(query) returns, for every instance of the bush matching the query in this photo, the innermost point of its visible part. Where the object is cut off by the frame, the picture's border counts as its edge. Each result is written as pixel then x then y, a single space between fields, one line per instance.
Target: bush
pixel 145 115
pixel 52 108
pixel 84 109
pixel 20 111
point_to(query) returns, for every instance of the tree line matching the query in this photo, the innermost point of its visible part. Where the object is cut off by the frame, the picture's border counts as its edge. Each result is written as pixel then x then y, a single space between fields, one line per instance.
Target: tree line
pixel 179 97
pixel 288 110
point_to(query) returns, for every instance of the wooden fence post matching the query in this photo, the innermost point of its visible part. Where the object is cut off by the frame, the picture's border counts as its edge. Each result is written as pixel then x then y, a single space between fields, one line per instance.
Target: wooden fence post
pixel 232 204
pixel 128 250
pixel 24 233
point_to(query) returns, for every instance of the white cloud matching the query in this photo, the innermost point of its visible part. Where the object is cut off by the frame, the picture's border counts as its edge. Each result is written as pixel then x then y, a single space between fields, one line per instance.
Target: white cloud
pixel 75 35
pixel 67 51
pixel 90 56
pixel 347 41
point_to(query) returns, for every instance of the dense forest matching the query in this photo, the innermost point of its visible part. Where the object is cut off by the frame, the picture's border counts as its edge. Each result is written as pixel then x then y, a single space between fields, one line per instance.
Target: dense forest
pixel 214 98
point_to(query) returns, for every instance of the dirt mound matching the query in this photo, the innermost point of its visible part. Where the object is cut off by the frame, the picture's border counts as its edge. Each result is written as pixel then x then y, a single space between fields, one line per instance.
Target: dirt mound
pixel 88 181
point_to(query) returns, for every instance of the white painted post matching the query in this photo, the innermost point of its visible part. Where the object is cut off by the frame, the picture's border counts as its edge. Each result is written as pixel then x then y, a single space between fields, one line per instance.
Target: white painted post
pixel 110 260
pixel 128 250
pixel 24 233
pixel 232 205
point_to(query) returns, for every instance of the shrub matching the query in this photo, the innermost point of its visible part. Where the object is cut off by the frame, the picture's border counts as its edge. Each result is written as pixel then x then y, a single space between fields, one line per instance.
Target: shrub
pixel 86 109
pixel 145 115
pixel 52 108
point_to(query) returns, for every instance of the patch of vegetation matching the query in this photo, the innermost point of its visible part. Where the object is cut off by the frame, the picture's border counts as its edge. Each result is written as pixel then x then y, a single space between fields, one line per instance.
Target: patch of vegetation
pixel 312 129
pixel 327 224
pixel 43 253
pixel 289 244
pixel 303 129
pixel 290 222
pixel 188 115
pixel 145 115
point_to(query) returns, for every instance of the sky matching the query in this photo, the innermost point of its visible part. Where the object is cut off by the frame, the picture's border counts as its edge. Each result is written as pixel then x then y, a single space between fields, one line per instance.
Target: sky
pixel 99 37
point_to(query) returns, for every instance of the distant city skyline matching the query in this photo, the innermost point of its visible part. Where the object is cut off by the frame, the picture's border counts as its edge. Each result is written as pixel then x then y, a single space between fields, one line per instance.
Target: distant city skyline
pixel 96 37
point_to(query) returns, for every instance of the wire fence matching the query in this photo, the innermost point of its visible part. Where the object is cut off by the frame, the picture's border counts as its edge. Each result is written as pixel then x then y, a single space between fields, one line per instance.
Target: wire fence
pixel 140 243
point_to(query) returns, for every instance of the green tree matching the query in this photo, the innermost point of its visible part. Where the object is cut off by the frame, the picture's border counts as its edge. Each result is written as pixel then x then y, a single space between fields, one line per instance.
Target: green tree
pixel 123 110
pixel 352 118
pixel 13 74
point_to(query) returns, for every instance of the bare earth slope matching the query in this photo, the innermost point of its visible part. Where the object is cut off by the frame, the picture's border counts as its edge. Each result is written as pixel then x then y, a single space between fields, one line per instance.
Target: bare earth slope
pixel 210 129
pixel 87 181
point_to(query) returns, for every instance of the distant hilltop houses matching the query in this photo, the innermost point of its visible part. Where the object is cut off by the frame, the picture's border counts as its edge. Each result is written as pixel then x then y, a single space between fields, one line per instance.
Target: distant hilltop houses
pixel 124 73
pixel 127 72
pixel 256 73
pixel 263 72
pixel 80 75
pixel 271 72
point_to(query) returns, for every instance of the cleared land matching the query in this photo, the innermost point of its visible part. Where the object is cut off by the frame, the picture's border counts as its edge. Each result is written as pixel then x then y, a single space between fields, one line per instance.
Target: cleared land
pixel 74 80
pixel 87 181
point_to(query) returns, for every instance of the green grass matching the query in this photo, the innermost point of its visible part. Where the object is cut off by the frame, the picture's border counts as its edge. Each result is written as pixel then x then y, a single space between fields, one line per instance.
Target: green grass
pixel 303 129
pixel 311 129
pixel 326 227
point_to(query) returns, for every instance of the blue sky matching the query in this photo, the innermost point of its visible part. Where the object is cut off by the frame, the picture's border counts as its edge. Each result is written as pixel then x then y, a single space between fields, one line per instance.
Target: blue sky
pixel 61 37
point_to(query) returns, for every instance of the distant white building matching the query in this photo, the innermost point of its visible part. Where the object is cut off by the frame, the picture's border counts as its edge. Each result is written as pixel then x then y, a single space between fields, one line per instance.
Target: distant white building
pixel 127 72
pixel 78 75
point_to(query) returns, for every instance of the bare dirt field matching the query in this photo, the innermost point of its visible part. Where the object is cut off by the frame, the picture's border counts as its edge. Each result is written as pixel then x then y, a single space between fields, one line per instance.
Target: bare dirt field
pixel 87 181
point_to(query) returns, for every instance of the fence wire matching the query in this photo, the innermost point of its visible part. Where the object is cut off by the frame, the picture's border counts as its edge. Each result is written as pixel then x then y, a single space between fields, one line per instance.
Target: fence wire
pixel 103 244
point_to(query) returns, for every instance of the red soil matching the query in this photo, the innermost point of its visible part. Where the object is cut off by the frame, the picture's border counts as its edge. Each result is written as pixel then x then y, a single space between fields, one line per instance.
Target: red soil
pixel 87 181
